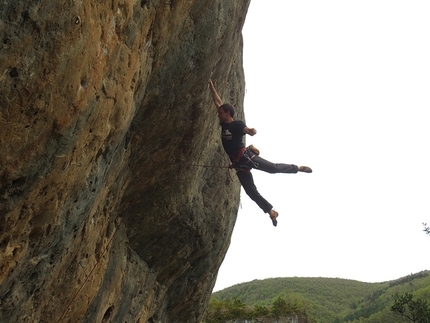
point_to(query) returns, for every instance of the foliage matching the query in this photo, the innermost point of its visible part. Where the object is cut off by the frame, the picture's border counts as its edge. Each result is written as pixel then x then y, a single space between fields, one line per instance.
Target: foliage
pixel 426 228
pixel 261 311
pixel 415 310
pixel 221 311
pixel 329 300
pixel 280 307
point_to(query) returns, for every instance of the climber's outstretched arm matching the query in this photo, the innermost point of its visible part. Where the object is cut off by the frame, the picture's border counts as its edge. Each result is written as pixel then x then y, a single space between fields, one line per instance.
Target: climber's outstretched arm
pixel 215 96
pixel 249 131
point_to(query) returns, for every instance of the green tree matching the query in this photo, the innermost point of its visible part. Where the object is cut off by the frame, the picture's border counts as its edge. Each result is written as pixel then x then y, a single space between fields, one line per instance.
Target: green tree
pixel 260 311
pixel 236 309
pixel 416 310
pixel 215 312
pixel 297 304
pixel 279 307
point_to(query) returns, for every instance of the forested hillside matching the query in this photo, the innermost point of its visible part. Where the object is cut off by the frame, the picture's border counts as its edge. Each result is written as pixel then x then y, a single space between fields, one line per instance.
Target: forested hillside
pixel 322 300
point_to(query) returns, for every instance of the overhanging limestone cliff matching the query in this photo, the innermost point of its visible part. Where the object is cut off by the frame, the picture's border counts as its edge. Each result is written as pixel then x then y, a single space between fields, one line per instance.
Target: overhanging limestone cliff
pixel 104 106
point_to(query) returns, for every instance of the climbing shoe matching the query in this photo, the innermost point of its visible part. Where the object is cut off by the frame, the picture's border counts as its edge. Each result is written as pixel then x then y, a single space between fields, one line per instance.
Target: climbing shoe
pixel 273 215
pixel 305 169
pixel 254 150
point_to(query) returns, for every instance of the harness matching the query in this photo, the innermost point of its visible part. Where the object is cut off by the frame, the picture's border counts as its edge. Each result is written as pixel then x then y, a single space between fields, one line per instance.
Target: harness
pixel 245 152
pixel 239 156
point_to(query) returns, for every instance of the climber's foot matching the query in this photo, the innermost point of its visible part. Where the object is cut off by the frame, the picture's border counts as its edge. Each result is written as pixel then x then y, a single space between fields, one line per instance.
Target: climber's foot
pixel 273 215
pixel 305 169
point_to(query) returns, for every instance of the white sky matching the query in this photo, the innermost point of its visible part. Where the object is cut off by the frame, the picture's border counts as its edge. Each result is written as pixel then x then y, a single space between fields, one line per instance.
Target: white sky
pixel 341 86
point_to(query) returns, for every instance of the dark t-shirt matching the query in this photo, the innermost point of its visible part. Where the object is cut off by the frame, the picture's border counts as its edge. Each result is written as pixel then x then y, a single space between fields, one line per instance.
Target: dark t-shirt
pixel 232 137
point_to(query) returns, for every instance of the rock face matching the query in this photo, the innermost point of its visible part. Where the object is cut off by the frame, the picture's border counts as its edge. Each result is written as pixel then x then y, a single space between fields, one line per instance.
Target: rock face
pixel 105 116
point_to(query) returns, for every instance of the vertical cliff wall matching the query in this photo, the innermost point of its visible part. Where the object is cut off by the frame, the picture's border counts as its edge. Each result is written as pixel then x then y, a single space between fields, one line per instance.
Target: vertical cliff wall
pixel 104 110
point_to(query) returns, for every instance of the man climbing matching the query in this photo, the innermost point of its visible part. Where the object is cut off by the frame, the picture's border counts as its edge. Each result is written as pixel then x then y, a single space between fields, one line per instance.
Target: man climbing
pixel 245 158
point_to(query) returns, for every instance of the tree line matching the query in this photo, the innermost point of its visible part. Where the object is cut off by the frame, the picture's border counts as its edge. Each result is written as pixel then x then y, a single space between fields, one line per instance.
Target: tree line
pixel 234 309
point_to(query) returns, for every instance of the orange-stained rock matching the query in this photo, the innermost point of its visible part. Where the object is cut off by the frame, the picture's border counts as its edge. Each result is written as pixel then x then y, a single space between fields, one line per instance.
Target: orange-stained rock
pixel 104 115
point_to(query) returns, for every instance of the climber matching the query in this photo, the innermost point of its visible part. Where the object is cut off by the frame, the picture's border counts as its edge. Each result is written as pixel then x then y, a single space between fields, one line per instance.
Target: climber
pixel 245 158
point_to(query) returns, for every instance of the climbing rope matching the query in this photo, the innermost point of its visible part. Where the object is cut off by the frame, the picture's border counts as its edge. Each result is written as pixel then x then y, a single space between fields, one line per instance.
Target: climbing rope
pixel 191 164
pixel 90 273
pixel 182 163
pixel 186 164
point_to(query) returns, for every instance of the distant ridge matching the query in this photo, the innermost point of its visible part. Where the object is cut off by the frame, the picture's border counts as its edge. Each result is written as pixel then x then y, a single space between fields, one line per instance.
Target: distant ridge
pixel 332 300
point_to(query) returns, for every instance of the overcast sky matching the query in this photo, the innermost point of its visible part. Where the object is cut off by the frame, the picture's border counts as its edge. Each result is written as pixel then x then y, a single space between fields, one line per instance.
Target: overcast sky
pixel 343 87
